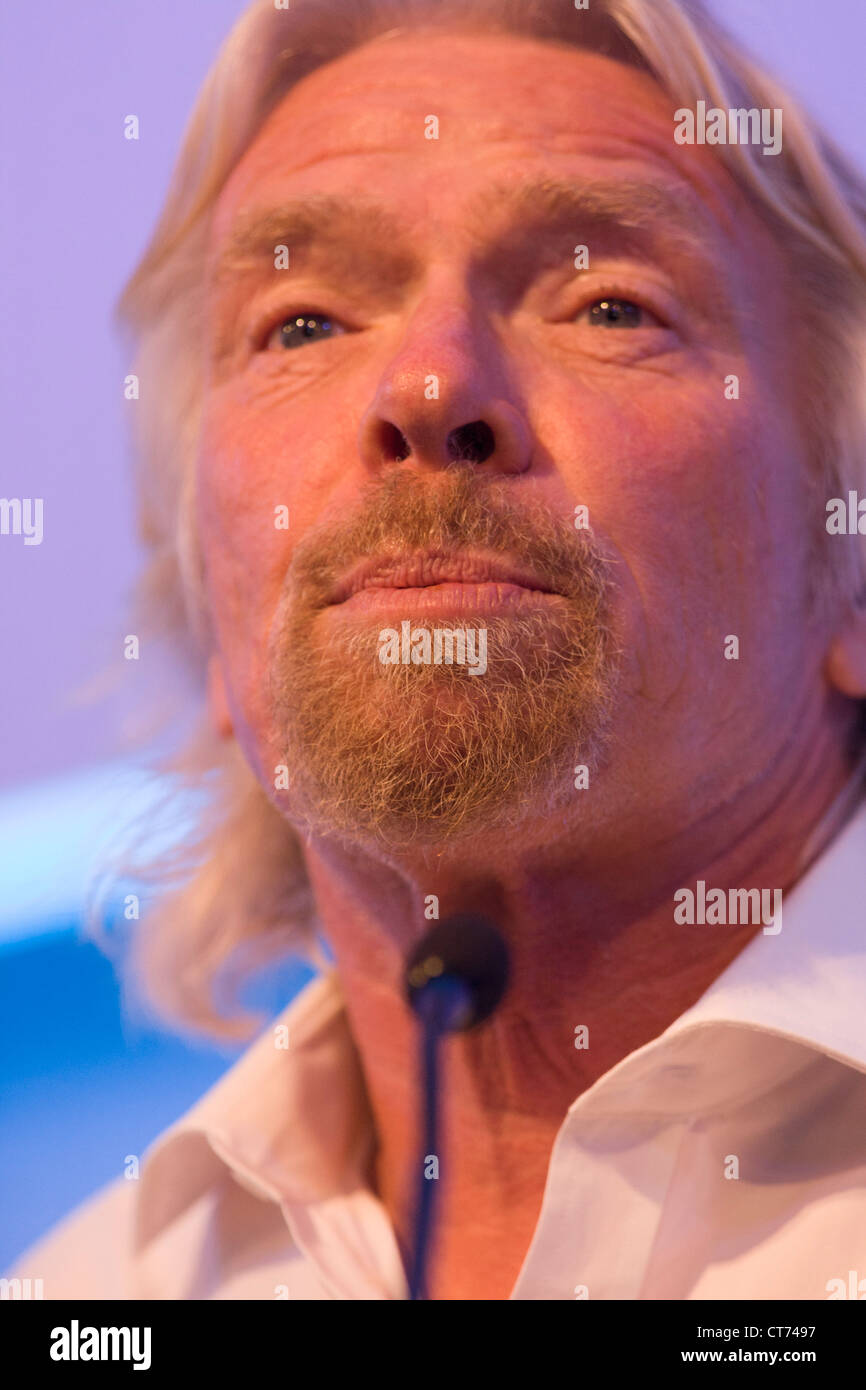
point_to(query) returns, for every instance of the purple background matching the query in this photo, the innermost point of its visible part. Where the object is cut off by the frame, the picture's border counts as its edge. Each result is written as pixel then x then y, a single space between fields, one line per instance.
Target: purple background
pixel 78 203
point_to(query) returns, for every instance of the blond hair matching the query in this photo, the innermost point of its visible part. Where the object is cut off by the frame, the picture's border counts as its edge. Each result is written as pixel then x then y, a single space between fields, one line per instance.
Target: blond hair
pixel 237 891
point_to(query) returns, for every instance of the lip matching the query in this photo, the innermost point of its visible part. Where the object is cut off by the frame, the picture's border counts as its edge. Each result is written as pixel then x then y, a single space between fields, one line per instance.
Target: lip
pixel 452 574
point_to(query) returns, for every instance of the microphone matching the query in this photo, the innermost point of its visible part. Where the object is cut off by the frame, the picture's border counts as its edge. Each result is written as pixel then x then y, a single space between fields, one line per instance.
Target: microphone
pixel 456 977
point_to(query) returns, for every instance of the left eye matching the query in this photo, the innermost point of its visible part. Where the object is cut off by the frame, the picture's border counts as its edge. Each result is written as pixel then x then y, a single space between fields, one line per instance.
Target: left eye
pixel 300 329
pixel 618 313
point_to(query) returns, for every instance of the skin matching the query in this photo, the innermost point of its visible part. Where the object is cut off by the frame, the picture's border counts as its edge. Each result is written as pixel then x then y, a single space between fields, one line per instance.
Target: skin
pixel 718 769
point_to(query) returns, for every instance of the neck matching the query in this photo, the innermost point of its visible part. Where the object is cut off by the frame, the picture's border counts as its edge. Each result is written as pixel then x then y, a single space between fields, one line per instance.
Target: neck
pixel 593 942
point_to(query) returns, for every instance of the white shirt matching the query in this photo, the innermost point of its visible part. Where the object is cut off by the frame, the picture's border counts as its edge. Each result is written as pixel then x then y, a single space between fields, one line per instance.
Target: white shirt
pixel 261 1190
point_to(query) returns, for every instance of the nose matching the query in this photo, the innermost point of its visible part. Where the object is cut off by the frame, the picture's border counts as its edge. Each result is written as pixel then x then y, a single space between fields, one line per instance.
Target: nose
pixel 440 401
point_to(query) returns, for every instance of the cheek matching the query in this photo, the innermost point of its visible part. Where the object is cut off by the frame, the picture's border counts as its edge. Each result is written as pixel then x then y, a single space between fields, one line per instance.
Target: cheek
pixel 265 455
pixel 245 515
pixel 704 502
pixel 265 473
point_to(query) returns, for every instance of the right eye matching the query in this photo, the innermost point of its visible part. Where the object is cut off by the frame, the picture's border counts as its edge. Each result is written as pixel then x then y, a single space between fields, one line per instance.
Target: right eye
pixel 299 329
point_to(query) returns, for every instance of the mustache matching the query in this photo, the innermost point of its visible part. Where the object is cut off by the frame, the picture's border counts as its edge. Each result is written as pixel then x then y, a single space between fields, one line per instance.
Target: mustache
pixel 405 510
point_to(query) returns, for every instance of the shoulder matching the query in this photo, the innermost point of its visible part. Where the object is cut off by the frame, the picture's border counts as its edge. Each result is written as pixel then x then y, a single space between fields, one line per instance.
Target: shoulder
pixel 89 1253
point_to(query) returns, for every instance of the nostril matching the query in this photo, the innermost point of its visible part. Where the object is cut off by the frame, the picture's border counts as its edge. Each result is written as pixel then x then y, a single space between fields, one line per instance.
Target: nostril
pixel 394 443
pixel 472 443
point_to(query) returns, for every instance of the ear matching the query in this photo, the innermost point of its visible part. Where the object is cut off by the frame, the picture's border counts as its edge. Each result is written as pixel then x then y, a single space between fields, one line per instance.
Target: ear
pixel 218 705
pixel 845 666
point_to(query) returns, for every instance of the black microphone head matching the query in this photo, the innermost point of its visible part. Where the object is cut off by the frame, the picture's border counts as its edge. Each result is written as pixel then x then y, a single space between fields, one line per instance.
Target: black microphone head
pixel 469 951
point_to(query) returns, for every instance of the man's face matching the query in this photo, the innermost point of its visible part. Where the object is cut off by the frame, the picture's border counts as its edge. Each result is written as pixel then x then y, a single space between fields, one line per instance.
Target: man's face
pixel 450 292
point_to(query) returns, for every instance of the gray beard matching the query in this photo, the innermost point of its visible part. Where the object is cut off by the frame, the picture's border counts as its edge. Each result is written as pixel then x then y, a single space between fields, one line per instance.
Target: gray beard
pixel 431 753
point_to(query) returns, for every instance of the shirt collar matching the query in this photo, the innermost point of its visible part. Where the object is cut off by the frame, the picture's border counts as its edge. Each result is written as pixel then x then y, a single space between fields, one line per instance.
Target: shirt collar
pixel 785 998
pixel 808 982
pixel 294 1123
pixel 290 1119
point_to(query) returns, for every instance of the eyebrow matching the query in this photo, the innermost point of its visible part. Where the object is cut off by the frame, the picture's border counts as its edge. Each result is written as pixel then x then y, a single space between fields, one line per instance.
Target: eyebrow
pixel 633 207
pixel 317 217
pixel 633 204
